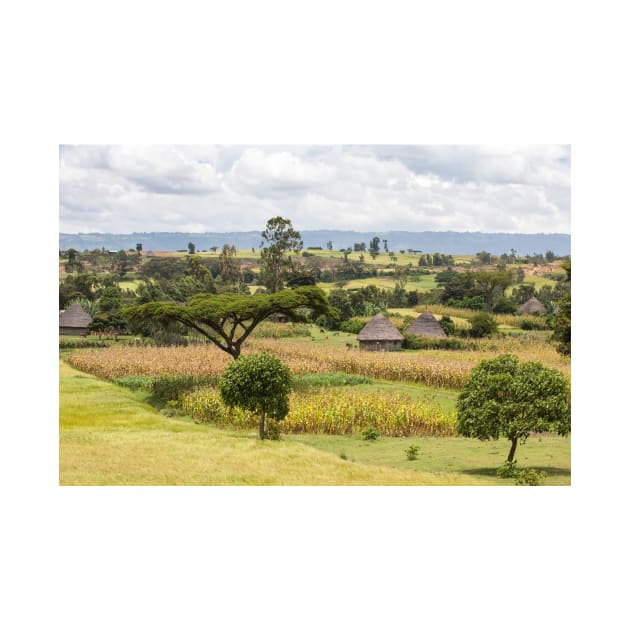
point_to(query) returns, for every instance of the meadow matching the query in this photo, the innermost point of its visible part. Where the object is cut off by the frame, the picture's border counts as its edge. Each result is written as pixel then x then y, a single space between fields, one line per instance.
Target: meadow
pixel 128 443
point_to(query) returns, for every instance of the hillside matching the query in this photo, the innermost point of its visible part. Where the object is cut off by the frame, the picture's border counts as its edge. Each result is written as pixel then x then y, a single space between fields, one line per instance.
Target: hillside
pixel 468 243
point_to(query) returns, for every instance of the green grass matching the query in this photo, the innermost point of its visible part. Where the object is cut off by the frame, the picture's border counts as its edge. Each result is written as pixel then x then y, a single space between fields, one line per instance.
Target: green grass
pixel 551 454
pixel 109 435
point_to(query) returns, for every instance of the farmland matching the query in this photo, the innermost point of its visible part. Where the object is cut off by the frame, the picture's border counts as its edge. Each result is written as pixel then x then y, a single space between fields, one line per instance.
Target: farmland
pixel 400 400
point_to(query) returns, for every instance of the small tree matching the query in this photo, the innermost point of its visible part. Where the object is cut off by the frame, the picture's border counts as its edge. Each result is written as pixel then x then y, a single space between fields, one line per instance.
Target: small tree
pixel 483 325
pixel 191 248
pixel 260 383
pixel 503 398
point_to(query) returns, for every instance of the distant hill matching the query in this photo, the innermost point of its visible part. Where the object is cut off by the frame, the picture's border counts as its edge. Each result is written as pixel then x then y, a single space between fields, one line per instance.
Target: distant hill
pixel 443 242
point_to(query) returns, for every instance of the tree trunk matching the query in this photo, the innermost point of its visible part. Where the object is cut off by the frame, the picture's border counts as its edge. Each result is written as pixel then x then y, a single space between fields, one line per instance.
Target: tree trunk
pixel 512 450
pixel 261 428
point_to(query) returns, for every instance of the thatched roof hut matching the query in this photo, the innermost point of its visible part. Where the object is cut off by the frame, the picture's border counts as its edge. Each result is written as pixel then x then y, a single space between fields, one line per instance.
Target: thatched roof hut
pixel 74 320
pixel 426 325
pixel 379 334
pixel 532 306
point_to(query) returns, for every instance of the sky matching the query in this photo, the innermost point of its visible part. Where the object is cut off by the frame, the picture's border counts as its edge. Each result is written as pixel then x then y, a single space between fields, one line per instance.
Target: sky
pixel 225 188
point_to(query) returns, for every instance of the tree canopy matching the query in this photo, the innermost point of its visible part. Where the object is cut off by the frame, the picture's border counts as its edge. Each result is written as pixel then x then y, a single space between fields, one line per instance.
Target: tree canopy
pixel 228 319
pixel 279 240
pixel 503 398
pixel 259 383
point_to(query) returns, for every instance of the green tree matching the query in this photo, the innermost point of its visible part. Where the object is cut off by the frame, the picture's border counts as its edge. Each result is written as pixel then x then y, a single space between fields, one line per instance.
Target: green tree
pixel 562 324
pixel 229 267
pixel 503 398
pixel 110 300
pixel 191 248
pixel 229 318
pixel 279 240
pixel 138 247
pixel 260 383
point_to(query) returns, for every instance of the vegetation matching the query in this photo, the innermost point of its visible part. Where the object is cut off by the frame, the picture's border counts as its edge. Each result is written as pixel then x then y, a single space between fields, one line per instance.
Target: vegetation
pixel 259 383
pixel 506 399
pixel 227 320
pixel 193 312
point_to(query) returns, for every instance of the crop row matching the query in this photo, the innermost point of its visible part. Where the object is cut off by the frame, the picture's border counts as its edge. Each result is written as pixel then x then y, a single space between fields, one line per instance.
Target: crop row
pixel 436 368
pixel 328 412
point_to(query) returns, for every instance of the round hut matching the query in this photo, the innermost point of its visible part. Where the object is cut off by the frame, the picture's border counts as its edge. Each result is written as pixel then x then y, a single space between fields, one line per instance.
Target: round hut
pixel 380 334
pixel 74 320
pixel 426 325
pixel 531 307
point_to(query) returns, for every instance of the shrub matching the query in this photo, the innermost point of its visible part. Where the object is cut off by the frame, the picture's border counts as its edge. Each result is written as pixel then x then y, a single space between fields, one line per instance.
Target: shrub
pixel 507 470
pixel 483 325
pixel 504 305
pixel 371 434
pixel 76 344
pixel 530 477
pixel 418 342
pixel 412 452
pixel 165 388
pixel 352 326
pixel 448 325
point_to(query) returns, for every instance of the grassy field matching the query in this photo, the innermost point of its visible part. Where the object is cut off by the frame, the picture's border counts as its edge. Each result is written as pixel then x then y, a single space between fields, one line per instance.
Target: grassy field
pixel 110 436
pixel 550 454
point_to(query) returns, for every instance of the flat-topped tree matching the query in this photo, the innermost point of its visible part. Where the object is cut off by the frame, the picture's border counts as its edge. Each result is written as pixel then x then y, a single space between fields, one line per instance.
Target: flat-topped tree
pixel 228 319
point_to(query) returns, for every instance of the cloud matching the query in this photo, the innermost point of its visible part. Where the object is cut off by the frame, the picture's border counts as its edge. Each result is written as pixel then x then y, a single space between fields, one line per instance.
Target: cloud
pixel 126 188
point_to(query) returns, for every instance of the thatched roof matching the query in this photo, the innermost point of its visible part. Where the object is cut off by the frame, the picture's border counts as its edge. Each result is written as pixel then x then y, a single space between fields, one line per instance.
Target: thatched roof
pixel 379 328
pixel 74 317
pixel 426 325
pixel 532 306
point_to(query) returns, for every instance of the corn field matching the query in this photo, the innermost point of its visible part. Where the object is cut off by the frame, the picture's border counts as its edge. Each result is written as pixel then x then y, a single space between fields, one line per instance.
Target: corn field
pixel 331 413
pixel 436 368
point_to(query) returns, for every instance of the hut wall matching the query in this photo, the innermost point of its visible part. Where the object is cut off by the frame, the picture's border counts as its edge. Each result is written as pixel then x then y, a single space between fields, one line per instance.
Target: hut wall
pixel 380 346
pixel 65 330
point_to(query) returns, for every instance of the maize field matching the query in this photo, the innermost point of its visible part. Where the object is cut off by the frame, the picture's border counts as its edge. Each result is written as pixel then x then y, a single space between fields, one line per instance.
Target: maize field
pixel 331 413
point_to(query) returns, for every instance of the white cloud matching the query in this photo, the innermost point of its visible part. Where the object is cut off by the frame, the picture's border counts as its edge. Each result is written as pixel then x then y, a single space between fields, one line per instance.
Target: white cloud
pixel 227 188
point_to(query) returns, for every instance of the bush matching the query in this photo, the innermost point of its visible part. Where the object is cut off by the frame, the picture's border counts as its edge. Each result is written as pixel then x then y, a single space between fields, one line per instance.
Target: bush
pixel 352 326
pixel 272 430
pixel 530 477
pixel 507 470
pixel 165 388
pixel 448 325
pixel 412 452
pixel 483 325
pixel 76 344
pixel 371 434
pixel 505 306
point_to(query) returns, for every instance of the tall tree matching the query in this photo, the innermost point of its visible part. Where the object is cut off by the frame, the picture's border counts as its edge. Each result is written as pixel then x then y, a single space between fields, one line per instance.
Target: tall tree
pixel 228 319
pixel 229 267
pixel 279 240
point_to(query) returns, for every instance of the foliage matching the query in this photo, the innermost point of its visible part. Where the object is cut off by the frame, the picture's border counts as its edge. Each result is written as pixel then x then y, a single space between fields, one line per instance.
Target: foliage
pixel 228 319
pixel 504 305
pixel 272 330
pixel 447 325
pixel 279 240
pixel 371 434
pixel 506 398
pixel 165 388
pixel 74 344
pixel 412 452
pixel 562 326
pixel 507 470
pixel 483 325
pixel 259 383
pixel 319 380
pixel 530 477
pixel 135 382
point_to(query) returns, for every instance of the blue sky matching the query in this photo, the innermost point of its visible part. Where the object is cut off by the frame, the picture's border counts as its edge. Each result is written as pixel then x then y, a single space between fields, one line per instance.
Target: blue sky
pixel 198 188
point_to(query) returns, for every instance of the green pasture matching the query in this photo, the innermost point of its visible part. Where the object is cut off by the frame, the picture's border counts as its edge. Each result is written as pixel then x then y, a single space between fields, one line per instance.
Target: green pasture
pixel 455 455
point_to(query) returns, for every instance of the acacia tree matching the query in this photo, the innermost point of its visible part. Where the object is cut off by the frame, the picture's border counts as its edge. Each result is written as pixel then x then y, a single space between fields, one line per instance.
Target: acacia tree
pixel 279 240
pixel 506 399
pixel 260 383
pixel 228 319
